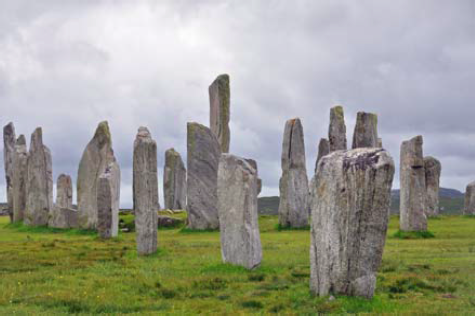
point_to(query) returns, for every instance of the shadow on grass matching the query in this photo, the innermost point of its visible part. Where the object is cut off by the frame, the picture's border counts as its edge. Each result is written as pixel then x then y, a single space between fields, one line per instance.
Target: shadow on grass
pixel 186 230
pixel 413 235
pixel 280 228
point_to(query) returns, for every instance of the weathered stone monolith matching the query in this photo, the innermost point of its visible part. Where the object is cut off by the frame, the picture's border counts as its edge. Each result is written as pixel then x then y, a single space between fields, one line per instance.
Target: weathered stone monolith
pixel 145 192
pixel 366 131
pixel 413 186
pixel 350 212
pixel 202 166
pixel 108 197
pixel 96 157
pixel 63 218
pixel 293 186
pixel 238 218
pixel 64 192
pixel 337 129
pixel 40 182
pixel 433 169
pixel 323 150
pixel 174 181
pixel 469 208
pixel 219 100
pixel 20 179
pixel 9 140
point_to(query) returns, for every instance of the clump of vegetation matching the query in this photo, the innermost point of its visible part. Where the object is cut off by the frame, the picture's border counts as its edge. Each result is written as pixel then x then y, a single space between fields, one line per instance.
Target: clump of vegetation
pixel 413 235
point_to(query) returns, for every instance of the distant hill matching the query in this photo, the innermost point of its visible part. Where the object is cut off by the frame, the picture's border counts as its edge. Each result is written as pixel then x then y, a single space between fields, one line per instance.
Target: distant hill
pixel 451 202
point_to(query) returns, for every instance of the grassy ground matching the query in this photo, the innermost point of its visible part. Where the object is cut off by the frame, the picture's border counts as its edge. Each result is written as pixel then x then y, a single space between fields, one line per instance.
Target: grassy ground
pixel 44 272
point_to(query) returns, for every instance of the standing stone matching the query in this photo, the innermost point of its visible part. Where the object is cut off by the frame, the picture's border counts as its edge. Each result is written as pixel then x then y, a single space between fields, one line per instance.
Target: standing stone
pixel 219 100
pixel 145 192
pixel 469 208
pixel 65 218
pixel 95 159
pixel 40 182
pixel 108 196
pixel 350 214
pixel 433 169
pixel 366 130
pixel 64 192
pixel 174 181
pixel 9 141
pixel 323 150
pixel 337 129
pixel 202 166
pixel 237 205
pixel 413 186
pixel 293 186
pixel 20 179
pixel 380 143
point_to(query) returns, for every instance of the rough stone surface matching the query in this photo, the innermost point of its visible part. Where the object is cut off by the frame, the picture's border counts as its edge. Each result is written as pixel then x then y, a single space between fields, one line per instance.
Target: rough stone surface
pixel 63 218
pixel 253 163
pixel 337 129
pixel 237 205
pixel 433 169
pixel 293 186
pixel 145 192
pixel 469 208
pixel 323 150
pixel 380 143
pixel 97 155
pixel 174 181
pixel 366 130
pixel 20 179
pixel 9 140
pixel 350 214
pixel 108 196
pixel 202 166
pixel 40 182
pixel 64 192
pixel 219 99
pixel 413 186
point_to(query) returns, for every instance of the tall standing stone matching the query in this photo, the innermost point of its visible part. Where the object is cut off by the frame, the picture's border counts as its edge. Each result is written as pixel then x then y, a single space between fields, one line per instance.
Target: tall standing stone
pixel 469 208
pixel 237 205
pixel 337 129
pixel 202 166
pixel 349 221
pixel 9 141
pixel 108 196
pixel 323 150
pixel 40 182
pixel 64 192
pixel 20 179
pixel 174 181
pixel 219 100
pixel 96 157
pixel 366 130
pixel 293 186
pixel 433 169
pixel 413 186
pixel 145 192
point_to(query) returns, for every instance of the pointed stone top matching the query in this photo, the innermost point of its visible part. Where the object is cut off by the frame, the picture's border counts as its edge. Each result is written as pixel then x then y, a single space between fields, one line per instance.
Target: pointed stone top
pixel 337 111
pixel 9 128
pixel 102 133
pixel 143 132
pixel 37 136
pixel 21 140
pixel 221 79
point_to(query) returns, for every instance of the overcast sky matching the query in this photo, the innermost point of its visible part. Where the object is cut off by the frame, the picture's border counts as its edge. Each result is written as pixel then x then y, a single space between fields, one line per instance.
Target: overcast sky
pixel 67 65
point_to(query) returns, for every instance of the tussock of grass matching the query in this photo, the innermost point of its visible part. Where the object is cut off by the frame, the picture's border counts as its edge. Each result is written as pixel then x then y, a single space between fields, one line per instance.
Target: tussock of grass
pixel 413 235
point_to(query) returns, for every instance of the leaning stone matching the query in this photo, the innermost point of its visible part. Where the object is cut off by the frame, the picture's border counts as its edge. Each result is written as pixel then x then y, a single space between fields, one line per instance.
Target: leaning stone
pixel 349 221
pixel 202 166
pixel 469 208
pixel 40 182
pixel 323 150
pixel 219 100
pixel 96 157
pixel 337 129
pixel 20 179
pixel 145 192
pixel 366 130
pixel 174 181
pixel 66 218
pixel 108 196
pixel 413 186
pixel 9 141
pixel 433 169
pixel 237 205
pixel 64 192
pixel 293 210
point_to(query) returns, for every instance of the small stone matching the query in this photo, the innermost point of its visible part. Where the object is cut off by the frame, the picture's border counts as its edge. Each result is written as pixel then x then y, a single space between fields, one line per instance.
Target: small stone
pixel 237 205
pixel 413 186
pixel 20 179
pixel 66 218
pixel 366 131
pixel 337 129
pixel 9 140
pixel 108 196
pixel 350 212
pixel 469 208
pixel 219 100
pixel 433 169
pixel 168 222
pixel 174 181
pixel 64 192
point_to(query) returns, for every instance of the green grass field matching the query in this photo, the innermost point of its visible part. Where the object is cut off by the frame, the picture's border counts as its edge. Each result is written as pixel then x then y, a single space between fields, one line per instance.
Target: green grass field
pixel 48 272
